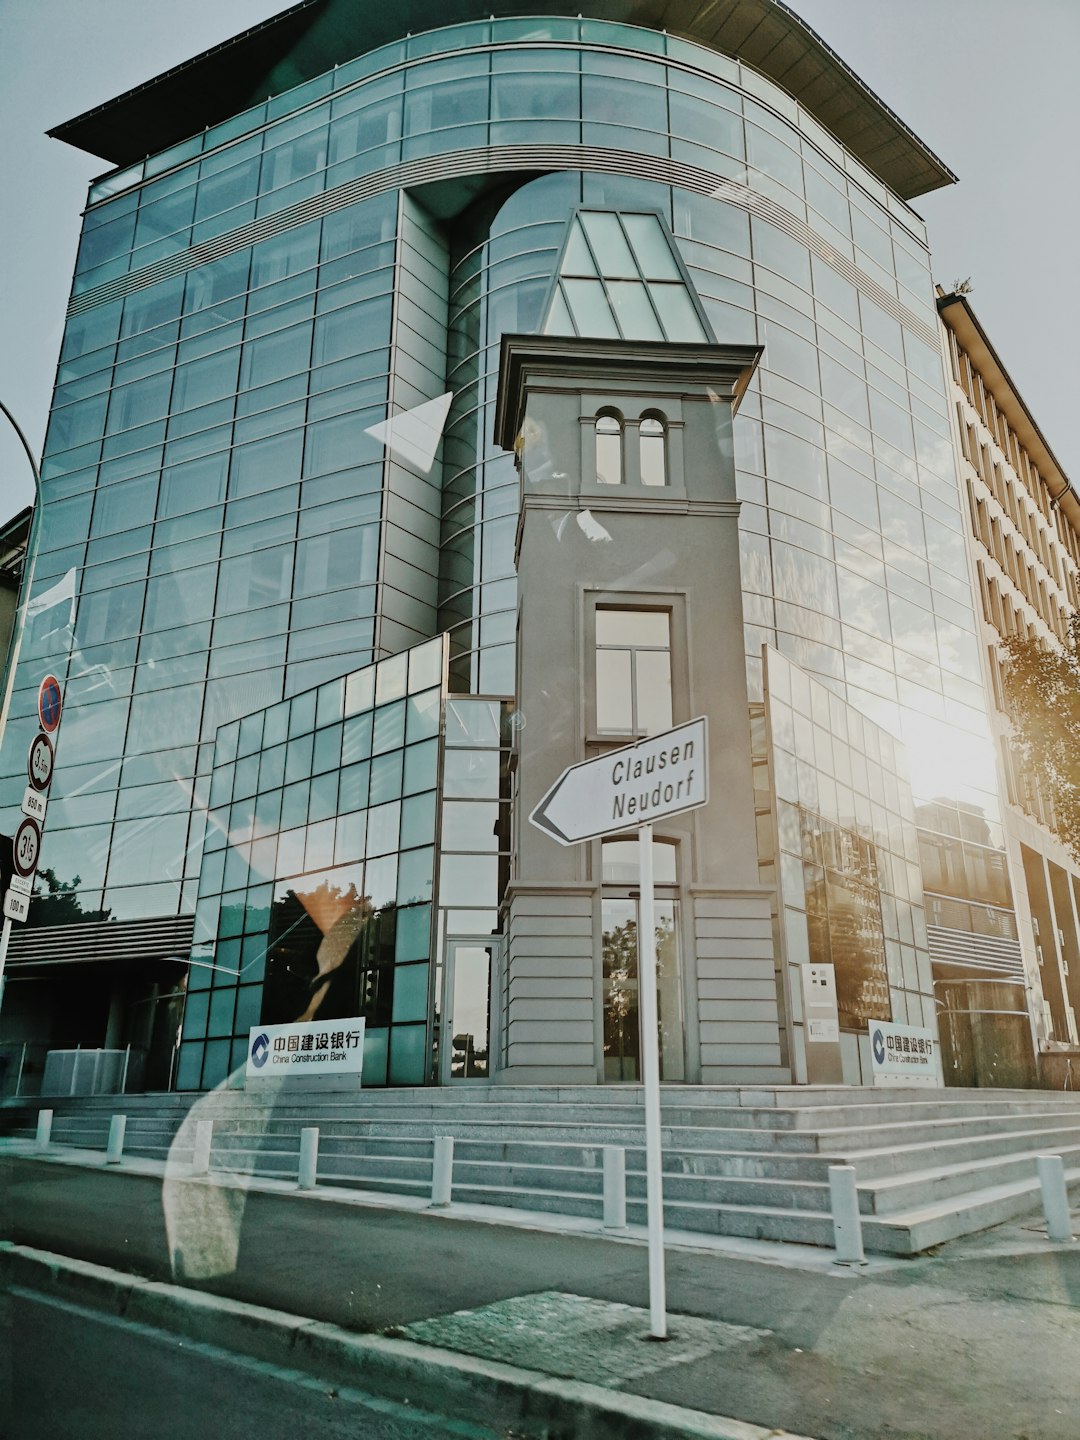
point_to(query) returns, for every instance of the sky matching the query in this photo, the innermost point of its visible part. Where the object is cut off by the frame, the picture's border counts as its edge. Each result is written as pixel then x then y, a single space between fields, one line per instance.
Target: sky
pixel 987 84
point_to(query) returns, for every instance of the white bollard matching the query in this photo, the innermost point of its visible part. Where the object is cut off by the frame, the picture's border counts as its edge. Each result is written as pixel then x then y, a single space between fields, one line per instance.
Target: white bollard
pixel 442 1170
pixel 115 1147
pixel 309 1156
pixel 44 1129
pixel 847 1222
pixel 200 1159
pixel 1055 1198
pixel 614 1187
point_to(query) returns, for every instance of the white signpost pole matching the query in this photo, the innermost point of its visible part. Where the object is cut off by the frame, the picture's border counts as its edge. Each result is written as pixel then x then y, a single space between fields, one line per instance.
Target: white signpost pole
pixel 650 1074
pixel 626 789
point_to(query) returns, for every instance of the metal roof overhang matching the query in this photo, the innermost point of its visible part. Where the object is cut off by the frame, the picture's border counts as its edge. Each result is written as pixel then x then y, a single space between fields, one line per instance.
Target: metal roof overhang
pixel 312 37
pixel 962 320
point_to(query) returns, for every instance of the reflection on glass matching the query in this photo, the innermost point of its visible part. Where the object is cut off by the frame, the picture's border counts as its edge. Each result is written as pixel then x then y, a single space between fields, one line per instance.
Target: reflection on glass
pixel 608 450
pixel 622 1036
pixel 633 671
pixel 651 451
pixel 312 961
pixel 469 1012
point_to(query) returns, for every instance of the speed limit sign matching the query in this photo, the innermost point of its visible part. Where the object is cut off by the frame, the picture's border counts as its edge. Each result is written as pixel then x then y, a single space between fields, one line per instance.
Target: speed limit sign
pixel 39 763
pixel 26 847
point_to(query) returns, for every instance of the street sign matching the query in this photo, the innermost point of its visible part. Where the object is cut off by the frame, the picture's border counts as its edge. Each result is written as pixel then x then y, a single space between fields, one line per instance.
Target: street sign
pixel 626 788
pixel 50 703
pixel 16 906
pixel 40 761
pixel 26 847
pixel 34 804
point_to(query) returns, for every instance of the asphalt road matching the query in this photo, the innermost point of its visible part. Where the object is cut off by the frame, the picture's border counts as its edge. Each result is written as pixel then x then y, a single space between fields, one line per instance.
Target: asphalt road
pixel 927 1350
pixel 79 1375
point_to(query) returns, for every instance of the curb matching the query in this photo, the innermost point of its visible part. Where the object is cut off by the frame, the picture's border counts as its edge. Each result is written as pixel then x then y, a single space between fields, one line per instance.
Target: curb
pixel 445 1383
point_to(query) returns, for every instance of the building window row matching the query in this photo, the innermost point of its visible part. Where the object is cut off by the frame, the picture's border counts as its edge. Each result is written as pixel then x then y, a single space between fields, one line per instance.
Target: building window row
pixel 1029 577
pixel 1001 610
pixel 1046 543
pixel 1025 483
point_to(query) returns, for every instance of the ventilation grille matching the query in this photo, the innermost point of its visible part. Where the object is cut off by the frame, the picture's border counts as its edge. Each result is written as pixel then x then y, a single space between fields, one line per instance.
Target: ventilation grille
pixel 101 941
pixel 989 953
pixel 495 159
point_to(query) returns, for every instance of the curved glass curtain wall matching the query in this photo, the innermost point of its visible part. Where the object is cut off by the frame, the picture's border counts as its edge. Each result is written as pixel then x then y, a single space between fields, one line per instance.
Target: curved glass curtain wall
pixel 846 469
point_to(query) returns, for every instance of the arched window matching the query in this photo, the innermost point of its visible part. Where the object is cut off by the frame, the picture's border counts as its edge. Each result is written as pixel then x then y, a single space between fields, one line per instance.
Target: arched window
pixel 609 459
pixel 652 452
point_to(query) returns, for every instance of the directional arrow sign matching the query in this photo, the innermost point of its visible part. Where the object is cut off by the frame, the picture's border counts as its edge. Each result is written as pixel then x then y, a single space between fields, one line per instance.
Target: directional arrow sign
pixel 626 788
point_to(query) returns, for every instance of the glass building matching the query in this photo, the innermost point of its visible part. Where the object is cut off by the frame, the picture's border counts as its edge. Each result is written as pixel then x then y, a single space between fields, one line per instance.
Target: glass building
pixel 278 535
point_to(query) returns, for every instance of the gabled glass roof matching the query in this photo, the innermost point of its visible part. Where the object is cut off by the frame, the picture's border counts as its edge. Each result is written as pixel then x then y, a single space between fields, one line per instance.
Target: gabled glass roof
pixel 621 278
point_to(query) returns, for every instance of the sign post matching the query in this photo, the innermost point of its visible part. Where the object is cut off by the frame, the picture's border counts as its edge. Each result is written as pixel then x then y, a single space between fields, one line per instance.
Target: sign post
pixel 26 845
pixel 629 789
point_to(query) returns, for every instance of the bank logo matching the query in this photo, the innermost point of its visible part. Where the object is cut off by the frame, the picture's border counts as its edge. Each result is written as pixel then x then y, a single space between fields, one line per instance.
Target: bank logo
pixel 260 1050
pixel 878 1043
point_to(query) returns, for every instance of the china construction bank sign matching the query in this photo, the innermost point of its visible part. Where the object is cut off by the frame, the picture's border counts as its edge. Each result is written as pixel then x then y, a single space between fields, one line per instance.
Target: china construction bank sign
pixel 329 1047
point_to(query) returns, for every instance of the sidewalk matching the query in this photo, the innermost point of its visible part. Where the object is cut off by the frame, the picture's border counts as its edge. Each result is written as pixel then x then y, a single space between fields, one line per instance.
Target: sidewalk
pixel 980 1339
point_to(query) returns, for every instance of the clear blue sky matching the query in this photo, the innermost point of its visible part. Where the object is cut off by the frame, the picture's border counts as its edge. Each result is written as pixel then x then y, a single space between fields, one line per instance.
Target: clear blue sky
pixel 988 84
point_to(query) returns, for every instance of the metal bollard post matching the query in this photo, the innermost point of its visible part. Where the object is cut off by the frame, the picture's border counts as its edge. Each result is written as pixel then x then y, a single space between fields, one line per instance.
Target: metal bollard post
pixel 115 1147
pixel 200 1159
pixel 847 1222
pixel 1055 1198
pixel 44 1129
pixel 442 1170
pixel 309 1156
pixel 614 1187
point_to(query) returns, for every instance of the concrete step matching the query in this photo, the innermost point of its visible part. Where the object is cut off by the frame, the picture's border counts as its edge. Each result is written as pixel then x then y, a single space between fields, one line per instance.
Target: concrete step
pixel 898 1133
pixel 919 1188
pixel 897 1159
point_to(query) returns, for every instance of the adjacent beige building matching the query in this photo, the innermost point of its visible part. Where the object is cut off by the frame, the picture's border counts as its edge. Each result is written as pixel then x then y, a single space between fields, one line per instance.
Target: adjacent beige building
pixel 1025 551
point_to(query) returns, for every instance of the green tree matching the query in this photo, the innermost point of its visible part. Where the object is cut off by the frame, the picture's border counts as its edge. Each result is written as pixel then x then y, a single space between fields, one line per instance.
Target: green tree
pixel 1042 695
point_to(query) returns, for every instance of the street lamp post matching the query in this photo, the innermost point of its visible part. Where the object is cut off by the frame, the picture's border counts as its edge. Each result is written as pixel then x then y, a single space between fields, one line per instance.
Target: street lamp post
pixel 28 572
pixel 17 633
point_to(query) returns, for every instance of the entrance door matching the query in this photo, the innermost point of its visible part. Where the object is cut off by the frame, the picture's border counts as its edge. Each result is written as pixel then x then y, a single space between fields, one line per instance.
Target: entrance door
pixel 622 1037
pixel 466 1041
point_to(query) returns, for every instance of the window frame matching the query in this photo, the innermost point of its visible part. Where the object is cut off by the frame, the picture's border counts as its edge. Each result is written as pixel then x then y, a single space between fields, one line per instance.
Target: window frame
pixel 673 603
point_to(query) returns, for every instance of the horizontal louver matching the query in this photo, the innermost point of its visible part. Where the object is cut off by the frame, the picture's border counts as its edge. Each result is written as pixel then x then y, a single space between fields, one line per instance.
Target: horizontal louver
pixel 101 941
pixel 991 954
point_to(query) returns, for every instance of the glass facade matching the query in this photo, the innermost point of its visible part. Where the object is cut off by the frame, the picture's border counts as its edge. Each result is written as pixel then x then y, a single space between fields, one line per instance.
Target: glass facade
pixel 229 527
pixel 837 838
pixel 317 879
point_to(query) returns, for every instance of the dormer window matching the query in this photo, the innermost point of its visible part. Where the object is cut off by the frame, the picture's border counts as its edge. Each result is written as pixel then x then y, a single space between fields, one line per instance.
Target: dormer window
pixel 609 449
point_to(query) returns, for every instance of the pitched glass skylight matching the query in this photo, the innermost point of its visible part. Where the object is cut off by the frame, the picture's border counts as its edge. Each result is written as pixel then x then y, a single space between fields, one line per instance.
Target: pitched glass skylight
pixel 620 279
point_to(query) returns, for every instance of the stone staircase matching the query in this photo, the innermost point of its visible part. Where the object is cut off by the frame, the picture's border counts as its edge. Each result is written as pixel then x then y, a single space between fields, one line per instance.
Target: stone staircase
pixel 930 1165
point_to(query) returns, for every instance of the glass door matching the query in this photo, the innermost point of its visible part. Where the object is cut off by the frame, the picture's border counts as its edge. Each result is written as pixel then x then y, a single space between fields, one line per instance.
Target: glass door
pixel 622 1036
pixel 622 1041
pixel 466 1039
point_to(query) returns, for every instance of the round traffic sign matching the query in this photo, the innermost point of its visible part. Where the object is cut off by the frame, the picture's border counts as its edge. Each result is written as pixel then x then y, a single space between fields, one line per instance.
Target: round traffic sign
pixel 39 762
pixel 50 703
pixel 26 847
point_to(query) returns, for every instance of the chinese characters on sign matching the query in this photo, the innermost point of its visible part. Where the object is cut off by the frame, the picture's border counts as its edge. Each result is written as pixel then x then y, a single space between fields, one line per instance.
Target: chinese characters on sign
pixel 306 1049
pixel 904 1055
